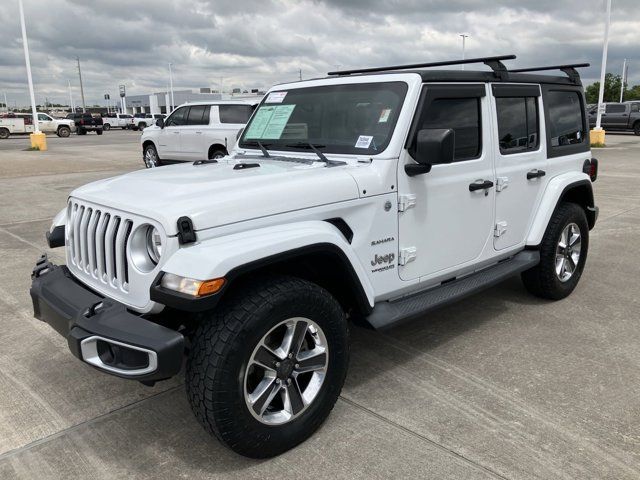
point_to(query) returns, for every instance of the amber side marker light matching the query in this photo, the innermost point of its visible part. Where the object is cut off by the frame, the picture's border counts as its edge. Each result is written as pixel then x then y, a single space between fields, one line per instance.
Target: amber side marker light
pixel 190 286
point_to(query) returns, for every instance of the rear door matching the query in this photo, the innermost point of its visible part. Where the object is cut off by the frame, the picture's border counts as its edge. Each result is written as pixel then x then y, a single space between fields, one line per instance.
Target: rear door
pixel 616 116
pixel 521 161
pixel 232 119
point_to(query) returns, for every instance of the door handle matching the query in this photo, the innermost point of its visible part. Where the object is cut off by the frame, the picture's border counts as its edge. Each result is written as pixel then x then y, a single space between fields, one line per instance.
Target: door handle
pixel 480 185
pixel 535 173
pixel 199 133
pixel 176 133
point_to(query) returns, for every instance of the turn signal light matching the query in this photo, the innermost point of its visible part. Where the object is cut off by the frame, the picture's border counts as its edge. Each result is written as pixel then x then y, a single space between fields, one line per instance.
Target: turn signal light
pixel 210 286
pixel 190 286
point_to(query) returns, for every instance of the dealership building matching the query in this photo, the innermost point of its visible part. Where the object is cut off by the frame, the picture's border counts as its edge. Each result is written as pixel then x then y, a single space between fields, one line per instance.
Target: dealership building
pixel 160 102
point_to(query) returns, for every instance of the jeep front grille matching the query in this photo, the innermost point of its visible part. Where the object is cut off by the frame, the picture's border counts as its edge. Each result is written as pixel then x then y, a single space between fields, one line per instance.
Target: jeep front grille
pixel 97 241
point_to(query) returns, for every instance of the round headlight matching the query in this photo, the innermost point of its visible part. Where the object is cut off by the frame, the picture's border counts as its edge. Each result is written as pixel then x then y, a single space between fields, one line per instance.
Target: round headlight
pixel 145 248
pixel 154 244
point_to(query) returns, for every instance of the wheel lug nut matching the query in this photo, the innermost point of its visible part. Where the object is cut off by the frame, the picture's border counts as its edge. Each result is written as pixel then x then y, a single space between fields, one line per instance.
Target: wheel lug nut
pixel 291 355
pixel 297 365
pixel 278 381
pixel 277 364
pixel 288 381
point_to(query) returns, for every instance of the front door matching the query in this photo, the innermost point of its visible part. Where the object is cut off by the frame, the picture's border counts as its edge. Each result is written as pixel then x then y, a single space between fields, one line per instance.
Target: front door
pixel 451 222
pixel 521 161
pixel 45 123
pixel 169 136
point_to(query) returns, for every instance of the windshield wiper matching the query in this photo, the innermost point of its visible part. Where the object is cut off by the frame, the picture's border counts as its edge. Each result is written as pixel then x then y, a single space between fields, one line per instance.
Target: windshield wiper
pixel 316 150
pixel 261 146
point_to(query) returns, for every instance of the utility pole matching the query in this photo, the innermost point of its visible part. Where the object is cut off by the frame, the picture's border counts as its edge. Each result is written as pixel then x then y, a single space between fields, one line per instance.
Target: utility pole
pixel 6 105
pixel 173 104
pixel 603 68
pixel 36 128
pixel 464 37
pixel 300 72
pixel 84 107
pixel 71 106
pixel 624 77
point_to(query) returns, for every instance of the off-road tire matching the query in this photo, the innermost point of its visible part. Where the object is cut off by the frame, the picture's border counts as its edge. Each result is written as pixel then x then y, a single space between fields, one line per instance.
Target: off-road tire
pixel 220 351
pixel 636 128
pixel 4 133
pixel 64 132
pixel 99 132
pixel 82 131
pixel 106 127
pixel 542 279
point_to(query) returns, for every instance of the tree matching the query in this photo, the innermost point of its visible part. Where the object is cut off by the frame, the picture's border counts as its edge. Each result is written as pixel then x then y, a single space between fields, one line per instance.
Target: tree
pixel 611 89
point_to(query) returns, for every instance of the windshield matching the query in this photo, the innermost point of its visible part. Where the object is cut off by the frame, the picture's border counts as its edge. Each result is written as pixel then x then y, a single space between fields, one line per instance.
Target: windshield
pixel 353 118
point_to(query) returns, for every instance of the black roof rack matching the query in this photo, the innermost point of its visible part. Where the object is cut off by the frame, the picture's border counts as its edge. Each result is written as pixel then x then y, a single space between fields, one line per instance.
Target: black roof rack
pixel 570 70
pixel 493 62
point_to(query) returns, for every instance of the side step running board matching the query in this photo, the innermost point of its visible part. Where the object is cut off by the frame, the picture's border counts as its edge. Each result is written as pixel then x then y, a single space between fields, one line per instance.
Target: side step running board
pixel 386 314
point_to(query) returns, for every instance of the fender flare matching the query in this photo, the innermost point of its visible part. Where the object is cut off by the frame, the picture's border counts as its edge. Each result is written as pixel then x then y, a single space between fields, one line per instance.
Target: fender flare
pixel 556 189
pixel 233 255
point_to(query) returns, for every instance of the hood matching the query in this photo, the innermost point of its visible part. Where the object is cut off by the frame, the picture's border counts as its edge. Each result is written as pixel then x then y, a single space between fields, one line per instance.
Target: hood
pixel 216 194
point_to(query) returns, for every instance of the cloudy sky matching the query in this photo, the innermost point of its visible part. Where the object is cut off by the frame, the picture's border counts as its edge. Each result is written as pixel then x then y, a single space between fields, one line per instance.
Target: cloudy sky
pixel 256 43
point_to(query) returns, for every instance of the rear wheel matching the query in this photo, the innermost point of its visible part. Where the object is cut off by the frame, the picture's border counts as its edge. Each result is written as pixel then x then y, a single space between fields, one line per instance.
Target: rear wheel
pixel 64 132
pixel 4 133
pixel 636 128
pixel 266 368
pixel 142 126
pixel 563 253
pixel 216 154
pixel 107 127
pixel 150 156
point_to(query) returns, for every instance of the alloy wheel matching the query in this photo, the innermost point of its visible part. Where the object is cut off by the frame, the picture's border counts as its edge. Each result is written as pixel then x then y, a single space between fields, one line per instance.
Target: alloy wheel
pixel 568 252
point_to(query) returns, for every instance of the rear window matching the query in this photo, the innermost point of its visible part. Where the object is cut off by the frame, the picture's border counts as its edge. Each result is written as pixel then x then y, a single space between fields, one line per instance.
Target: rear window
pixel 235 113
pixel 566 123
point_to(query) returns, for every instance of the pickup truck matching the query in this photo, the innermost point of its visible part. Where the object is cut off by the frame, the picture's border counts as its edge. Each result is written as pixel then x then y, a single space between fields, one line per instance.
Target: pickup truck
pixel 117 120
pixel 143 120
pixel 618 116
pixel 22 124
pixel 85 122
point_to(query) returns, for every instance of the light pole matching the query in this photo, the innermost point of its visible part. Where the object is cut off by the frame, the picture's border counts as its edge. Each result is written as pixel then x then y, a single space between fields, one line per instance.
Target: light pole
pixel 71 106
pixel 464 38
pixel 599 137
pixel 171 86
pixel 624 74
pixel 36 128
pixel 84 108
pixel 6 105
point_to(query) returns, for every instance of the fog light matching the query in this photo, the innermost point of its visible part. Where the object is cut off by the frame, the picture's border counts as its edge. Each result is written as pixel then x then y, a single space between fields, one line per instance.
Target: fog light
pixel 190 286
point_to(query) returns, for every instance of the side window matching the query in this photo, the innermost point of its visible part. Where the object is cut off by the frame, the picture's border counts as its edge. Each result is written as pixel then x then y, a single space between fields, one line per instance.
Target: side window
pixel 615 108
pixel 566 122
pixel 198 115
pixel 177 118
pixel 43 118
pixel 517 124
pixel 235 113
pixel 463 116
pixel 635 107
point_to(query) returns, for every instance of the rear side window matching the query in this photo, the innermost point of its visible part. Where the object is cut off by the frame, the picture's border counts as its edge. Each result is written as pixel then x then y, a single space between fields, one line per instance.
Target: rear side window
pixel 463 116
pixel 517 124
pixel 613 108
pixel 198 115
pixel 635 107
pixel 566 122
pixel 235 113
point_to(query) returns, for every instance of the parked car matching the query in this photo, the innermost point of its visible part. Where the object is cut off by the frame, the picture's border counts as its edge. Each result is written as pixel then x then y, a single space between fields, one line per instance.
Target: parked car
pixel 117 120
pixel 618 117
pixel 22 124
pixel 195 131
pixel 85 122
pixel 142 120
pixel 375 194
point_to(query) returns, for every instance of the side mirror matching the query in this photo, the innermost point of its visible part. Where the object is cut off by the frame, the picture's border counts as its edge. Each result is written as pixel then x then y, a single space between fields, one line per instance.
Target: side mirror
pixel 433 146
pixel 160 122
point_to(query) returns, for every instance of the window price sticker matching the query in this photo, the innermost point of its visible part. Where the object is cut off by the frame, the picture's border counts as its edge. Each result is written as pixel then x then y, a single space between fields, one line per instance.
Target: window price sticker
pixel 364 141
pixel 276 97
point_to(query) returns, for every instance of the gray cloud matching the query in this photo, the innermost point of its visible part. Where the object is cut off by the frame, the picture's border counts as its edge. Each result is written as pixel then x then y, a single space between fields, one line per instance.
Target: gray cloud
pixel 256 43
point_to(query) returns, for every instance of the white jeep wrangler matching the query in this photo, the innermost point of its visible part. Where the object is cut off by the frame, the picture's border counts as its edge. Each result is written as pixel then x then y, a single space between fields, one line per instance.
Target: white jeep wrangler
pixel 377 194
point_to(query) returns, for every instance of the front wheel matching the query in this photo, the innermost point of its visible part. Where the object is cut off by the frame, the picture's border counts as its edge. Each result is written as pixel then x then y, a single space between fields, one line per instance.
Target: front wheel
pixel 82 131
pixel 265 370
pixel 99 132
pixel 563 253
pixel 636 128
pixel 64 132
pixel 150 157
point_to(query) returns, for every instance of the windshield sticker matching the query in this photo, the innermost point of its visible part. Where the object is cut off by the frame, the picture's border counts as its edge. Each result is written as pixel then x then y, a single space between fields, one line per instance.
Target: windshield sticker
pixel 364 141
pixel 269 122
pixel 384 115
pixel 276 97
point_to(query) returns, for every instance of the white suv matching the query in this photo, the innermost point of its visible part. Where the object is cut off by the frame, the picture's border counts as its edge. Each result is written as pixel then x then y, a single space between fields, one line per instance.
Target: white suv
pixel 195 131
pixel 378 194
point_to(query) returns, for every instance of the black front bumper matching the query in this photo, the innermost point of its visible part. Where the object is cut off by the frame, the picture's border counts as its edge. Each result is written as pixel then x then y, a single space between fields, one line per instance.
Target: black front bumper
pixel 89 322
